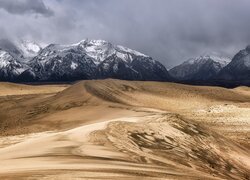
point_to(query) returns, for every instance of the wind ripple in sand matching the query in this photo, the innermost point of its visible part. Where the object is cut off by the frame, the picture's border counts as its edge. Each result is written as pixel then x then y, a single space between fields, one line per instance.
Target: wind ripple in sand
pixel 160 146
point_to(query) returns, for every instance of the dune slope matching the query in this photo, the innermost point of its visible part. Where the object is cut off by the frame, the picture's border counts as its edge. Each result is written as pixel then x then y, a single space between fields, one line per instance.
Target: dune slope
pixel 112 129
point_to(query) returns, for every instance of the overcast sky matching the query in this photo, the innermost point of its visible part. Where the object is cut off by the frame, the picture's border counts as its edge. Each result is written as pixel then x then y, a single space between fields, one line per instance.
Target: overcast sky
pixel 170 31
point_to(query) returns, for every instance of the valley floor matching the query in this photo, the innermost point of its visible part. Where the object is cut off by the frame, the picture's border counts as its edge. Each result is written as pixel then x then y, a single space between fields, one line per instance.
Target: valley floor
pixel 113 129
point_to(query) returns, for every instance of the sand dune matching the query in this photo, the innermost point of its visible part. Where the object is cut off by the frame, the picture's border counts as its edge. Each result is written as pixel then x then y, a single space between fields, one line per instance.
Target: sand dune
pixel 112 129
pixel 20 89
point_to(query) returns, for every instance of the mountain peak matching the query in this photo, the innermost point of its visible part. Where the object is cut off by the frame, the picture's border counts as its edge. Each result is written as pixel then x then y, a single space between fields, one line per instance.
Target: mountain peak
pixel 100 50
pixel 248 48
pixel 214 56
pixel 239 68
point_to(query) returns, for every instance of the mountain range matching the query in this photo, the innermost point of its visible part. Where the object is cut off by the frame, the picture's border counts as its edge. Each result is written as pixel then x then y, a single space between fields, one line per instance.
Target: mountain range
pixel 27 61
pixel 88 59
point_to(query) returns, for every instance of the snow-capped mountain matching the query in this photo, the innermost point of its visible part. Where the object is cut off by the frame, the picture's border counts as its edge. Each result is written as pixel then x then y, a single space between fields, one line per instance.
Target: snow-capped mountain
pixel 12 63
pixel 238 69
pixel 10 67
pixel 90 59
pixel 62 63
pixel 100 50
pixel 200 68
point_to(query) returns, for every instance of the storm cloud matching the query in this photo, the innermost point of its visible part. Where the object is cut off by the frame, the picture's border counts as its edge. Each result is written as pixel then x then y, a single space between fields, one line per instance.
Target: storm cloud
pixel 170 31
pixel 25 6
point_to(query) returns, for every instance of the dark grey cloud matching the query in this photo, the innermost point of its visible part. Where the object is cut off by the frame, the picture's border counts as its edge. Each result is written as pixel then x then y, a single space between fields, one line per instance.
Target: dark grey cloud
pixel 25 7
pixel 171 31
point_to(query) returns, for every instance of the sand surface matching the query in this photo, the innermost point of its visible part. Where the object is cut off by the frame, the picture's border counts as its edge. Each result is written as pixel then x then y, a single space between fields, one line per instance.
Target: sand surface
pixel 112 129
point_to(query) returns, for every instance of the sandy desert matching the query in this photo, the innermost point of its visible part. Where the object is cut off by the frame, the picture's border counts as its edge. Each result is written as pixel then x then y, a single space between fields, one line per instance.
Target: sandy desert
pixel 114 129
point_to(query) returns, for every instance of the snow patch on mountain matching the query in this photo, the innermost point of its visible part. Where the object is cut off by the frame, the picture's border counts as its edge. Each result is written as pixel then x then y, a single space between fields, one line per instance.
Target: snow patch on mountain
pixel 99 50
pixel 29 48
pixel 4 59
pixel 130 51
pixel 73 65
